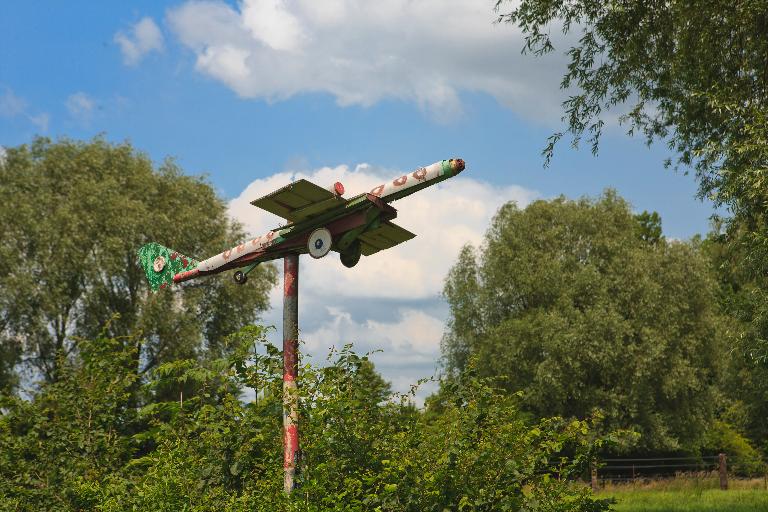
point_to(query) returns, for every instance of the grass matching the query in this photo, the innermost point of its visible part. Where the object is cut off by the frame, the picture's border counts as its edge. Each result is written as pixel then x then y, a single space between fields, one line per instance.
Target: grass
pixel 689 495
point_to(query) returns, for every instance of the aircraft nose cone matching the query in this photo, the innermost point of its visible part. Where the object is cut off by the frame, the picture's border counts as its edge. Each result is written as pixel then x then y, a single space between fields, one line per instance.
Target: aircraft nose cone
pixel 458 165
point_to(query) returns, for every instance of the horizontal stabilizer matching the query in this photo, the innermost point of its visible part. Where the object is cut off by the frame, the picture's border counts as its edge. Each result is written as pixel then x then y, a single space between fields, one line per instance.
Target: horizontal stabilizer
pixel 160 264
pixel 300 200
pixel 385 236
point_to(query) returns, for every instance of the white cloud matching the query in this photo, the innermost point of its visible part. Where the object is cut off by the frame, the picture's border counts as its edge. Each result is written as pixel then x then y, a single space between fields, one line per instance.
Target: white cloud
pixel 404 349
pixel 361 52
pixel 390 300
pixel 80 106
pixel 142 38
pixel 12 106
pixel 270 22
pixel 41 120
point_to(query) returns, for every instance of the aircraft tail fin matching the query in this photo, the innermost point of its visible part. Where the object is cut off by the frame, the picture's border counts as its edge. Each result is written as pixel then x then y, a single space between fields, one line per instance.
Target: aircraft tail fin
pixel 160 264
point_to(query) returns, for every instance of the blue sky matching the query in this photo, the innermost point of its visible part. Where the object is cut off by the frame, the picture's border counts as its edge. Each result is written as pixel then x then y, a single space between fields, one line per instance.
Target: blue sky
pixel 254 92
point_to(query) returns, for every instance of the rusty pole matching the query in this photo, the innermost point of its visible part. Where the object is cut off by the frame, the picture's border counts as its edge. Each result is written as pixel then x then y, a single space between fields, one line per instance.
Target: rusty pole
pixel 290 369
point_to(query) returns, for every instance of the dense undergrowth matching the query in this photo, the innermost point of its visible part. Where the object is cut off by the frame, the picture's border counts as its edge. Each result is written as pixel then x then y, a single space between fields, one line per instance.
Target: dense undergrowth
pixel 98 439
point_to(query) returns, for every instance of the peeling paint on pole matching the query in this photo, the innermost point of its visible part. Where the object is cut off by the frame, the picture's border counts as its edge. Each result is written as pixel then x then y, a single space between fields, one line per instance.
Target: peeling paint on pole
pixel 290 369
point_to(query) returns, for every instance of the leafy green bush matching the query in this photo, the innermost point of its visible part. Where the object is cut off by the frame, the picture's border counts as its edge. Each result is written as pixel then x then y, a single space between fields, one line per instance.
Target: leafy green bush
pixel 364 448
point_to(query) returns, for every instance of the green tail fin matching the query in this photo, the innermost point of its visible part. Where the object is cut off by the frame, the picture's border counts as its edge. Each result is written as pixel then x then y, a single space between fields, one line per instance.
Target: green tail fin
pixel 161 264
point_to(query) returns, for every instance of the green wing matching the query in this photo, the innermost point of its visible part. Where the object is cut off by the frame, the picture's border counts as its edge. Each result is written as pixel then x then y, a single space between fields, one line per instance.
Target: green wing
pixel 383 237
pixel 299 201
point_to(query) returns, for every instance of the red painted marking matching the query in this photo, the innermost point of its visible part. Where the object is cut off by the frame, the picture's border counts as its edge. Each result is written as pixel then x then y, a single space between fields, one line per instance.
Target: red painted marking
pixel 338 188
pixel 399 182
pixel 183 276
pixel 377 191
pixel 226 254
pixel 420 174
pixel 184 261
pixel 255 241
pixel 241 247
pixel 291 272
pixel 174 255
pixel 289 290
pixel 290 444
pixel 270 235
pixel 164 285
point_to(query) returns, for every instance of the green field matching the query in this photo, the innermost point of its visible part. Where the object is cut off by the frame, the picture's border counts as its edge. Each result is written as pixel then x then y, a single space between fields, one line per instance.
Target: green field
pixel 689 501
pixel 690 496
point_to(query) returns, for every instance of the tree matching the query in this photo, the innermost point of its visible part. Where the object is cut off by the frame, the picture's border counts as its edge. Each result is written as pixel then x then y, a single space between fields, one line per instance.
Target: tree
pixel 742 298
pixel 571 303
pixel 74 214
pixel 693 75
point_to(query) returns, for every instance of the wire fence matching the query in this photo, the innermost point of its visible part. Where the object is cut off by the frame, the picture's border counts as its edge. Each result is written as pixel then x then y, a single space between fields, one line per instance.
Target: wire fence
pixel 622 470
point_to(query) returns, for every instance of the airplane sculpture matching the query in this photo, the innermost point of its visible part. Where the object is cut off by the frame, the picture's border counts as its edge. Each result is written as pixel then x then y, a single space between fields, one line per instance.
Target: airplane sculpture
pixel 319 220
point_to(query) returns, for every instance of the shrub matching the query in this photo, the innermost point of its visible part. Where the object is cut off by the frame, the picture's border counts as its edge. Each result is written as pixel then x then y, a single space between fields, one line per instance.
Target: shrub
pixel 364 448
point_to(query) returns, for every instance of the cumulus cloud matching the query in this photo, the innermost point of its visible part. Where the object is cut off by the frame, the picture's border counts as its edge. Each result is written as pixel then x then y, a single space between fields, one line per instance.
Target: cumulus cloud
pixel 361 52
pixel 13 106
pixel 80 106
pixel 141 39
pixel 390 300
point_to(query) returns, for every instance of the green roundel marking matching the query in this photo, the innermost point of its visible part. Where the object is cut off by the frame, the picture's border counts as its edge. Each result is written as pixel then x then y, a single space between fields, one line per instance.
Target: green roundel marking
pixel 172 263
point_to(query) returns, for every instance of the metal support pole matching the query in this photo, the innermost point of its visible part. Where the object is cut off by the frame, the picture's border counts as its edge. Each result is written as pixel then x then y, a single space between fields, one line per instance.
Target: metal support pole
pixel 290 369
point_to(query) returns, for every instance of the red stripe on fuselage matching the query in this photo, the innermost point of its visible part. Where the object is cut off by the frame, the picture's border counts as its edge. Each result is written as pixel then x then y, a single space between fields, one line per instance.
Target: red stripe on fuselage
pixel 185 276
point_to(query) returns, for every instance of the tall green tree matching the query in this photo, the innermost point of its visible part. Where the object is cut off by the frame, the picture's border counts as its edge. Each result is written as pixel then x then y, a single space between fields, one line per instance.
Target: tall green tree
pixel 73 215
pixel 693 75
pixel 742 298
pixel 574 304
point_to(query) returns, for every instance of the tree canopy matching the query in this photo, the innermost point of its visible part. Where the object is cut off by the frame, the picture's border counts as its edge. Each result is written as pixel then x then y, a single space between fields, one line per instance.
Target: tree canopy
pixel 73 215
pixel 582 305
pixel 691 75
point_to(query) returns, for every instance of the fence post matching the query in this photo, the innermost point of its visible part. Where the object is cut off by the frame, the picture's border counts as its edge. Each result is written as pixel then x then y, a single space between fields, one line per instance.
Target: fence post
pixel 723 472
pixel 594 477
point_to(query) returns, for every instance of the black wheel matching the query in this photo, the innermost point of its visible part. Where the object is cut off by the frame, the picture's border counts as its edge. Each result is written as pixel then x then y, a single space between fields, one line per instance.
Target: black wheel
pixel 351 256
pixel 240 278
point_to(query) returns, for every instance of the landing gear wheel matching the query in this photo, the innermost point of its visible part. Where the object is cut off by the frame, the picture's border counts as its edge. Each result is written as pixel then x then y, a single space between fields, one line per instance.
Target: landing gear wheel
pixel 351 256
pixel 240 277
pixel 319 243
